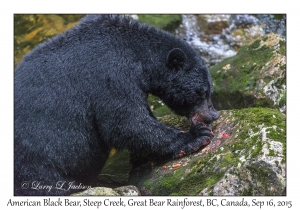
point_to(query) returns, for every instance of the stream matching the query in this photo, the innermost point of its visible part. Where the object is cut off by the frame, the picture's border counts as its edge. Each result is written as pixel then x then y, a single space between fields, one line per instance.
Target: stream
pixel 215 36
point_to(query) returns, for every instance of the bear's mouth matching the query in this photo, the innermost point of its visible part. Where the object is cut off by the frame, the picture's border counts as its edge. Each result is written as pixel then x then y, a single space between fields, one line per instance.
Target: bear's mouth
pixel 197 118
pixel 203 128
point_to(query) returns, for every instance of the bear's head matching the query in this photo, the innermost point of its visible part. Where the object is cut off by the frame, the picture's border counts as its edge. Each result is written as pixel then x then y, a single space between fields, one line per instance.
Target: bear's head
pixel 187 86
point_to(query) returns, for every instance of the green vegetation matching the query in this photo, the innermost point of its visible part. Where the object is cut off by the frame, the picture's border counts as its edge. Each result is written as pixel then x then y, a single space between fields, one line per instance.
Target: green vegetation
pixel 282 49
pixel 167 22
pixel 158 108
pixel 207 170
pixel 244 69
pixel 238 80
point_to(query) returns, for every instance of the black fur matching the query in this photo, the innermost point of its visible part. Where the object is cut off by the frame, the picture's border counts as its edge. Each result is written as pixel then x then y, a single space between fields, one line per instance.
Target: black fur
pixel 85 91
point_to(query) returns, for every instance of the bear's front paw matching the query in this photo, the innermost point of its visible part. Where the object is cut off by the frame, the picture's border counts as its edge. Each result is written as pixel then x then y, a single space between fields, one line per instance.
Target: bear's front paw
pixel 201 129
pixel 194 146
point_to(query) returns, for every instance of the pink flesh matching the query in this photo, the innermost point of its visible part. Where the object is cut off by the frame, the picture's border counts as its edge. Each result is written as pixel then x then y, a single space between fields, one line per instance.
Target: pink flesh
pixel 196 119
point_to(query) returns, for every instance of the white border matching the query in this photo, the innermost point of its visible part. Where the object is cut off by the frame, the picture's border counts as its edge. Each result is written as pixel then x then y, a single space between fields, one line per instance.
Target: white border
pixel 118 6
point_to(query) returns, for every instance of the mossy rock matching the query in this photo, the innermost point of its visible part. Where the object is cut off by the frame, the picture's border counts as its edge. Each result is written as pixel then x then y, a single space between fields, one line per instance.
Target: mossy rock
pixel 248 145
pixel 104 191
pixel 157 107
pixel 168 22
pixel 254 77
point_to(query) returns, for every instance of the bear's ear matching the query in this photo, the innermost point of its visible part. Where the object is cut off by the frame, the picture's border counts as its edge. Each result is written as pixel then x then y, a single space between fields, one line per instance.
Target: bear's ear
pixel 176 59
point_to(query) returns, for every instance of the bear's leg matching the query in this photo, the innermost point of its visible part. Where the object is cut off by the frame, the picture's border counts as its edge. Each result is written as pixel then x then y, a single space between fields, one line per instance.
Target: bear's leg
pixel 145 135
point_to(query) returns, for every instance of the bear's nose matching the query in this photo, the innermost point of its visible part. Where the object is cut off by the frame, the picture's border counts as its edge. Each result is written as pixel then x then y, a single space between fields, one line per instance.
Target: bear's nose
pixel 214 114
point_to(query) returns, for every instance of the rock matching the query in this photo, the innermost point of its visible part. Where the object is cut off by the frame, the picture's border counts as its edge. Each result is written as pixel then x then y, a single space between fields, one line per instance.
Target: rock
pixel 219 36
pixel 104 191
pixel 128 191
pixel 204 34
pixel 254 77
pixel 242 30
pixel 247 156
pixel 275 23
pixel 213 24
pixel 97 191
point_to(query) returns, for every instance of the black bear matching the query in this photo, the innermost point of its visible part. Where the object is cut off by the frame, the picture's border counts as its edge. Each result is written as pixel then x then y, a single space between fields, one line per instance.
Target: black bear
pixel 85 91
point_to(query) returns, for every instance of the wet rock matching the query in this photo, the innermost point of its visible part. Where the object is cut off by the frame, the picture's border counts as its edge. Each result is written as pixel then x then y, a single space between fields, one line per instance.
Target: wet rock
pixel 217 37
pixel 213 24
pixel 273 23
pixel 115 173
pixel 247 156
pixel 128 191
pixel 256 76
pixel 104 191
pixel 204 34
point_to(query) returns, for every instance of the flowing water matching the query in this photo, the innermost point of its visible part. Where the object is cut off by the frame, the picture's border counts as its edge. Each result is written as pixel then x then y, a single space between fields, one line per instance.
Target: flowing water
pixel 216 37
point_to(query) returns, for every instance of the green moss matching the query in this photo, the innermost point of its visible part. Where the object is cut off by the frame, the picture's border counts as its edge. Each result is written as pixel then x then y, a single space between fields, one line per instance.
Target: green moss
pixel 255 44
pixel 148 184
pixel 174 194
pixel 265 38
pixel 267 116
pixel 205 161
pixel 279 82
pixel 282 67
pixel 198 180
pixel 258 149
pixel 212 180
pixel 248 120
pixel 237 76
pixel 283 99
pixel 271 152
pixel 228 160
pixel 262 173
pixel 162 111
pixel 194 183
pixel 262 103
pixel 154 101
pixel 158 108
pixel 282 49
pixel 116 168
pixel 207 170
pixel 175 121
pixel 247 192
pixel 168 183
